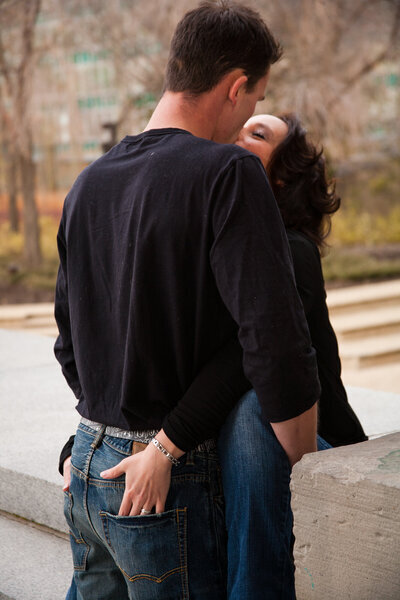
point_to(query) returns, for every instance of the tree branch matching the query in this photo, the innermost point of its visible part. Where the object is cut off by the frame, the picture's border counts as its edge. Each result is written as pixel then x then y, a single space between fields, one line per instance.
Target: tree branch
pixel 370 65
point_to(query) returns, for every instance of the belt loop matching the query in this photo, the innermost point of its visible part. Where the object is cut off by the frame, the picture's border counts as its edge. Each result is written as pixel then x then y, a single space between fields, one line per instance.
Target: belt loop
pixel 98 438
pixel 190 458
pixel 93 446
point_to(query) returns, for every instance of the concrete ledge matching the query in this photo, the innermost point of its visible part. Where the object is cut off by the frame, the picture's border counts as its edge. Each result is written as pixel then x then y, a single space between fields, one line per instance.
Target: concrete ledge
pixel 37 416
pixel 32 498
pixel 347 522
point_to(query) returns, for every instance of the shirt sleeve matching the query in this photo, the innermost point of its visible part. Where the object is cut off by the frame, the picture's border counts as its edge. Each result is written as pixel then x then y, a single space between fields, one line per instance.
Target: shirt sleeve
pixel 63 347
pixel 206 404
pixel 65 452
pixel 252 266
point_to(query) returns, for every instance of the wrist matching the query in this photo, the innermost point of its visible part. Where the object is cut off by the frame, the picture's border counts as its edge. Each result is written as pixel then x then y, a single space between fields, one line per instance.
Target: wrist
pixel 169 445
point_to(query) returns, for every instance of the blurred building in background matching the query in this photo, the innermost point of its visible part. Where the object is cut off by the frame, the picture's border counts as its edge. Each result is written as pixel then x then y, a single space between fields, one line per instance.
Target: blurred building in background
pixel 99 66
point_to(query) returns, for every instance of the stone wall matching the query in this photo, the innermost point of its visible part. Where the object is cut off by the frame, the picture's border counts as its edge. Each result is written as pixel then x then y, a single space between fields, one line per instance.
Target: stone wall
pixel 346 506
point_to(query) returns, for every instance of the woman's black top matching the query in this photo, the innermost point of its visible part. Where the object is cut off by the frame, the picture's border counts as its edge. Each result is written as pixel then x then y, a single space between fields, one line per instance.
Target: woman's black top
pixel 338 424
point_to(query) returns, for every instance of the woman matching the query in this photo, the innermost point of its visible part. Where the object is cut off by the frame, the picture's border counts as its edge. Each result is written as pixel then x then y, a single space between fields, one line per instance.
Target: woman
pixel 255 471
pixel 306 199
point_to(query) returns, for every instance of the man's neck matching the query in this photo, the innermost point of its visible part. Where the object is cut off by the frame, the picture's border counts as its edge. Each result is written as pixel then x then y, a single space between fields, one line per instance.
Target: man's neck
pixel 198 115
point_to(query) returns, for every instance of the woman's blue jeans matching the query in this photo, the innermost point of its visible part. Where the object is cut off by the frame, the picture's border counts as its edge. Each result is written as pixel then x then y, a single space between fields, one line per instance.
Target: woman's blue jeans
pixel 256 476
pixel 177 554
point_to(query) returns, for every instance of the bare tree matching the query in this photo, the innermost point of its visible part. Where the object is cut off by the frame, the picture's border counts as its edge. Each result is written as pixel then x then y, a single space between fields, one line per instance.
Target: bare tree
pixel 17 59
pixel 10 174
pixel 331 47
pixel 136 36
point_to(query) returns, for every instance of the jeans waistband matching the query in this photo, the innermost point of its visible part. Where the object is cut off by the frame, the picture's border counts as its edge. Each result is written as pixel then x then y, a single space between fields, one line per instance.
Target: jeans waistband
pixel 141 436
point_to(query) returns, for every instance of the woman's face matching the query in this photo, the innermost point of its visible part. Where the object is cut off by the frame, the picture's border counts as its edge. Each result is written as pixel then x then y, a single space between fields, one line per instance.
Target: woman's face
pixel 261 135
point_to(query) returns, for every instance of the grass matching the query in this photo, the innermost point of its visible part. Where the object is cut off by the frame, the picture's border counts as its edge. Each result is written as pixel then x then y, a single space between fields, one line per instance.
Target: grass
pixel 352 226
pixel 364 246
pixel 357 265
pixel 13 271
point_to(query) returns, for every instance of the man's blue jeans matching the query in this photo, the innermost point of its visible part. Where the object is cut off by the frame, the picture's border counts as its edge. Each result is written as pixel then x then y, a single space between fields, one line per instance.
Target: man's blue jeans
pixel 256 476
pixel 178 554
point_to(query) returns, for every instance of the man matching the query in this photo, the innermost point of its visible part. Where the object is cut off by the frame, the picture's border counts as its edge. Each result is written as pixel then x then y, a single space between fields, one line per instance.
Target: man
pixel 164 258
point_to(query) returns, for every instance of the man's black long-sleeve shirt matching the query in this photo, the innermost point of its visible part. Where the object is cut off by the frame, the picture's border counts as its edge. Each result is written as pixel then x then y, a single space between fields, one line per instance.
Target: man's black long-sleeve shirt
pixel 170 245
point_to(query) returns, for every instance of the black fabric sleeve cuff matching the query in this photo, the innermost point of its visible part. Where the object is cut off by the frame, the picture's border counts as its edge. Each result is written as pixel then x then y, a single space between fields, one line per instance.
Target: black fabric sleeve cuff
pixel 65 452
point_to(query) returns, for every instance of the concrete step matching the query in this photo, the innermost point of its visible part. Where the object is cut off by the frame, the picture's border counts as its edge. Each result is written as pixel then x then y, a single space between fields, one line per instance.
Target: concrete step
pixel 35 563
pixel 37 317
pixel 377 350
pixel 364 297
pixel 31 323
pixel 24 312
pixel 361 324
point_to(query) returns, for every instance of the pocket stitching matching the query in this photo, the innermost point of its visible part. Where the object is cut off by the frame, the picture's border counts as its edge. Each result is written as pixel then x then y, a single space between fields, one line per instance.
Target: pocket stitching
pixel 105 517
pixel 152 577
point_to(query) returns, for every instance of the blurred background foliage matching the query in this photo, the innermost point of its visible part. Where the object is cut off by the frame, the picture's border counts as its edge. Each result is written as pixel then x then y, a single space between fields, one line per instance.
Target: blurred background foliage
pixel 76 76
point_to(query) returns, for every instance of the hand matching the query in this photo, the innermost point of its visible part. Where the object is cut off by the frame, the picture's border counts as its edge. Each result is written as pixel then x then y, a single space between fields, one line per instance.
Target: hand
pixel 298 436
pixel 67 474
pixel 147 481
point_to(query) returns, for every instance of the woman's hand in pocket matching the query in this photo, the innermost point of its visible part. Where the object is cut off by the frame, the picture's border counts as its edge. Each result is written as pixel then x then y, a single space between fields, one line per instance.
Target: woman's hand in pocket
pixel 147 480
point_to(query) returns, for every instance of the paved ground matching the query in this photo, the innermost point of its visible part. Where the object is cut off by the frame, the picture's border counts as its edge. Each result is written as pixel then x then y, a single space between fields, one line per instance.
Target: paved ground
pixel 24 563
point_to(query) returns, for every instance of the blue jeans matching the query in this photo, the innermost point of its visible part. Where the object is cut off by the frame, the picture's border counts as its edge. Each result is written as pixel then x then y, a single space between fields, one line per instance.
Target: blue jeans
pixel 256 475
pixel 177 554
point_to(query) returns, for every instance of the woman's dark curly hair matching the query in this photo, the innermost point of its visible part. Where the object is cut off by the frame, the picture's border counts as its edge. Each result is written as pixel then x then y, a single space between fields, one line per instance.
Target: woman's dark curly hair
pixel 296 170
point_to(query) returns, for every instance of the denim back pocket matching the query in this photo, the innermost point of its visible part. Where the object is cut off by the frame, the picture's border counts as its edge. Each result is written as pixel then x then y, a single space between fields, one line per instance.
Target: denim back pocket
pixel 151 553
pixel 80 549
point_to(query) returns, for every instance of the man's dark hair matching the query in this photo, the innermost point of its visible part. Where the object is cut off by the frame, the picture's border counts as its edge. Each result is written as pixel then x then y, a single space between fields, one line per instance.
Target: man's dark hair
pixel 212 40
pixel 297 174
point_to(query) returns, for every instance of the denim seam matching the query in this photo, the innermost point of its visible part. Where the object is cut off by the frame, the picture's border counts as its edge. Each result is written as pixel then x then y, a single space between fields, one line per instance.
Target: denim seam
pixel 104 522
pixel 78 540
pixel 151 577
pixel 106 484
pixel 195 478
pixel 85 429
pixel 94 445
pixel 283 556
pixel 77 472
pixel 219 498
pixel 183 551
pixel 82 566
pixel 117 448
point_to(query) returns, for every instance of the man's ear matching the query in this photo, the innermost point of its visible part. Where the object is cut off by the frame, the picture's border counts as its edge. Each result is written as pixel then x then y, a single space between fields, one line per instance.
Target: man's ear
pixel 237 86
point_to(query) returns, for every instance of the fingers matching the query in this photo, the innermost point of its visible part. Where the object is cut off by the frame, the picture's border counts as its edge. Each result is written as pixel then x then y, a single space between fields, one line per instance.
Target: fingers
pixel 115 472
pixel 132 504
pixel 67 474
pixel 147 481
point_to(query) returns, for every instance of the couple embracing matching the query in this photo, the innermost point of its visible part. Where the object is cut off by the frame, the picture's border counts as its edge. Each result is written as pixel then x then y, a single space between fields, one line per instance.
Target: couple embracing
pixel 183 336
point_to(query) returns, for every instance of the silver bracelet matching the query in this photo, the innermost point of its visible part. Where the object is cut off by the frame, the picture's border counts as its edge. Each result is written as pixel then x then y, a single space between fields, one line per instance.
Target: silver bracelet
pixel 161 448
